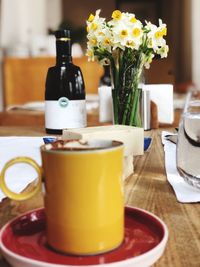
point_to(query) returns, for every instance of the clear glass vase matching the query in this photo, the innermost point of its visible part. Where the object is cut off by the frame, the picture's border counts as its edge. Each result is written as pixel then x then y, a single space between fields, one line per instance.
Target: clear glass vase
pixel 126 75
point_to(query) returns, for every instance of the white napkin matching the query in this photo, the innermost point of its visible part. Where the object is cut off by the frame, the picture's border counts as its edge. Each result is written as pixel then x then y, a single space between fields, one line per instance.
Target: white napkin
pixel 35 106
pixel 184 192
pixel 162 95
pixel 20 175
pixel 92 102
pixel 105 104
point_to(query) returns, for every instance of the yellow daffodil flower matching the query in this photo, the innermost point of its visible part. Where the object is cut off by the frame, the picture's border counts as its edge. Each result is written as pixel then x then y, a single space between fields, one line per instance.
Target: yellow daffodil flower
pixel 136 32
pixel 117 14
pixel 133 20
pixel 123 33
pixel 91 18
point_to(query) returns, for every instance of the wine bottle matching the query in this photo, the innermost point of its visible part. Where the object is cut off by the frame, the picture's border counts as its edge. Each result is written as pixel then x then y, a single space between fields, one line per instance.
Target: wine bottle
pixel 105 79
pixel 65 106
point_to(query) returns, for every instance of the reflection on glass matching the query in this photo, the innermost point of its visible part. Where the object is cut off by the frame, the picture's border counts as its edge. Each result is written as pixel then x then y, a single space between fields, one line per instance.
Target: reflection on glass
pixel 188 146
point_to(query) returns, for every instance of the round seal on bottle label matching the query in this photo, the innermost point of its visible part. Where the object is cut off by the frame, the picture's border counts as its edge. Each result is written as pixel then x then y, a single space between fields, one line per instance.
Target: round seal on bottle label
pixel 63 102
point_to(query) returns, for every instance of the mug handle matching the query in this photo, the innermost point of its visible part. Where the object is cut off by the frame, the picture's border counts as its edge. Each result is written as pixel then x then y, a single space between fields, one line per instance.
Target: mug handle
pixel 24 195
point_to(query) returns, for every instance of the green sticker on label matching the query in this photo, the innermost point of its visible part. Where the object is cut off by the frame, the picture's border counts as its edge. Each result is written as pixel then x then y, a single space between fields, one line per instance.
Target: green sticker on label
pixel 63 102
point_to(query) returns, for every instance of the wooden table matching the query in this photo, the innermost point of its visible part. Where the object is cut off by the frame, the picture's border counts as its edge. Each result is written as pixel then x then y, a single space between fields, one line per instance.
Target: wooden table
pixel 20 117
pixel 148 189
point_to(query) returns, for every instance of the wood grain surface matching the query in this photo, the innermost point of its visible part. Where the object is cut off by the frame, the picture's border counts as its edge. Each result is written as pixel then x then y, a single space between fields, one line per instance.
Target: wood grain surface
pixel 148 189
pixel 20 117
pixel 28 118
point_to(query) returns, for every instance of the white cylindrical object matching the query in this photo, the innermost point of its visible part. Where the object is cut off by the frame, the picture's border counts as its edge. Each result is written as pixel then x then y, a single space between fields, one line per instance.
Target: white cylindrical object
pixel 145 109
pixel 105 104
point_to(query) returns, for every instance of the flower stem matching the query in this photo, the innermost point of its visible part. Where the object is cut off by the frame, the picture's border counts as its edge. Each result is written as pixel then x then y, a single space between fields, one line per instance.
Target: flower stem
pixel 136 97
pixel 115 106
pixel 138 121
pixel 127 108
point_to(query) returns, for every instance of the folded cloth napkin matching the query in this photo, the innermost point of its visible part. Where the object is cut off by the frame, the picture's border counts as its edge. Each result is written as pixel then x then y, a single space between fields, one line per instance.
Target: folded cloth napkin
pixel 184 192
pixel 19 175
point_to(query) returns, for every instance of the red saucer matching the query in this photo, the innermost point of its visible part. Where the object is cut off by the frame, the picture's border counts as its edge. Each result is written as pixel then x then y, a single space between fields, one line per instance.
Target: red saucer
pixel 23 242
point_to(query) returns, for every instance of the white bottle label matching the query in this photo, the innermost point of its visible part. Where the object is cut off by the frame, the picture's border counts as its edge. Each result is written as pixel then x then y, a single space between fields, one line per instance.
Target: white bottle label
pixel 64 113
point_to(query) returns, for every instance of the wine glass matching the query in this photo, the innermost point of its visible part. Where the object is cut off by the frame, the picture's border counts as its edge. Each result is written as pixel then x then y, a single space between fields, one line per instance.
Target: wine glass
pixel 188 145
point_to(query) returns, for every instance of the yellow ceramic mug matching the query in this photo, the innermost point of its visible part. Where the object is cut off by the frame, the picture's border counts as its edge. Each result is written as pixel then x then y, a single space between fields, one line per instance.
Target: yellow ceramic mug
pixel 83 197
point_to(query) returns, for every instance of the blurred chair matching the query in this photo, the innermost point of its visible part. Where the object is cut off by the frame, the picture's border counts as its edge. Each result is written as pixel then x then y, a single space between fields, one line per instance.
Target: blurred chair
pixel 24 78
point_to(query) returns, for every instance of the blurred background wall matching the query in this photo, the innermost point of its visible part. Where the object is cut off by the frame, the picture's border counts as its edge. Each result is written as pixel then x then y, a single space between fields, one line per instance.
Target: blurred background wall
pixel 195 40
pixel 26 25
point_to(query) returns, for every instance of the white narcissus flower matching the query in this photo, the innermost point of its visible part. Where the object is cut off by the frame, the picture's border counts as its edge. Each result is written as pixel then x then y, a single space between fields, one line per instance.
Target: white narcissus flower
pixel 127 30
pixel 105 38
pixel 136 33
pixel 155 35
pixel 148 61
pixel 117 15
pixel 163 51
pixel 92 41
pixel 119 29
pixel 124 31
pixel 120 35
pixel 99 34
pixel 107 44
pixel 94 23
pixel 90 54
pixel 135 29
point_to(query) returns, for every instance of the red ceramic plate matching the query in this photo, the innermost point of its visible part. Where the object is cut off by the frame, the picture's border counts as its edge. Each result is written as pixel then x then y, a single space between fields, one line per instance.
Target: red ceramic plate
pixel 23 243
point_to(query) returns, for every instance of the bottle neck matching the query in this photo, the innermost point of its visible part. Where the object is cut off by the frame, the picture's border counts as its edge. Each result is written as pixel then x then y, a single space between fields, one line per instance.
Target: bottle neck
pixel 63 52
pixel 106 70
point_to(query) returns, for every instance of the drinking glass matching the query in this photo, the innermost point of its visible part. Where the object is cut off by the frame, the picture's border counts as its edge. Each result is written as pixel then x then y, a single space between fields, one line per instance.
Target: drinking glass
pixel 188 145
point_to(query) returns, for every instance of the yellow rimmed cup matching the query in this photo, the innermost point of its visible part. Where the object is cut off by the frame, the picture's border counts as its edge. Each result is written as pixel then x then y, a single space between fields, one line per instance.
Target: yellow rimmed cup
pixel 84 200
pixel 25 194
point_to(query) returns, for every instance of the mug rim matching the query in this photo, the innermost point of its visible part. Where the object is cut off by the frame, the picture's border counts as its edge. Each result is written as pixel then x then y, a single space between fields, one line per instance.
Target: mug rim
pixel 72 150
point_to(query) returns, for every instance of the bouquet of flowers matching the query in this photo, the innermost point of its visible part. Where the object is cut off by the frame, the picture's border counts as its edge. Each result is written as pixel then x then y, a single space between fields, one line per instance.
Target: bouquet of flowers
pixel 127 46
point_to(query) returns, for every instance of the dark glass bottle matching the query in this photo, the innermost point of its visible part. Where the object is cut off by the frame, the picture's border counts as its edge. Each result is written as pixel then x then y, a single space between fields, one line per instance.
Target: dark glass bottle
pixel 65 105
pixel 105 78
